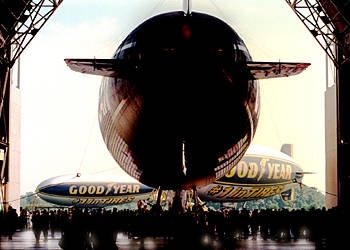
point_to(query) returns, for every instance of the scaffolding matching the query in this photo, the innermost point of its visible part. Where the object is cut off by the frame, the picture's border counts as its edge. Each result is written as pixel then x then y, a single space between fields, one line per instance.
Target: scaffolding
pixel 20 21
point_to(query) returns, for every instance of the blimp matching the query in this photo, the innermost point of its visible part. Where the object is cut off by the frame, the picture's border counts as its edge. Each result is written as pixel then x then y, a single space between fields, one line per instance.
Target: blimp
pixel 91 190
pixel 262 172
pixel 179 99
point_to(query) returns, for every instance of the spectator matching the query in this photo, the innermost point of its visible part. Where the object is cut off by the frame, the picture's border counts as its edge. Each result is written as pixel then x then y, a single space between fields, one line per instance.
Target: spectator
pixel 11 222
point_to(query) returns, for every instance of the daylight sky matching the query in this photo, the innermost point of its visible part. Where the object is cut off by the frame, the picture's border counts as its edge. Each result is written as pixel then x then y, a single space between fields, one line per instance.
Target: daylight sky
pixel 60 132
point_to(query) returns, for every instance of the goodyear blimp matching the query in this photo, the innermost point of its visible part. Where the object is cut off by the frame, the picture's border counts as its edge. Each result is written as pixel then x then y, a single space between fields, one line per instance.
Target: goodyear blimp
pixel 86 190
pixel 262 172
pixel 180 96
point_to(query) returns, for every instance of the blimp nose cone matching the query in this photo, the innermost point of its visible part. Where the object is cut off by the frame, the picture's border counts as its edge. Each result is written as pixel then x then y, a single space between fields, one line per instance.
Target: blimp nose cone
pixel 182 119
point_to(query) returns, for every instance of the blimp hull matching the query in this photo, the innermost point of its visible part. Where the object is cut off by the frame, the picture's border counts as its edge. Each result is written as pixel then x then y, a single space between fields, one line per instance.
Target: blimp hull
pixel 69 190
pixel 188 113
pixel 261 173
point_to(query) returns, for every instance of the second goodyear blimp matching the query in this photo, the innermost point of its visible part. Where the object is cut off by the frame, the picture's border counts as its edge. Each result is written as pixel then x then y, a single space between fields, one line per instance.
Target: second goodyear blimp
pixel 263 172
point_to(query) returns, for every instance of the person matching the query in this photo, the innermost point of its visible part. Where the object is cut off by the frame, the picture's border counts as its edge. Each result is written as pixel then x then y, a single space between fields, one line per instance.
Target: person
pixel 74 232
pixel 53 222
pixel 11 222
pixel 23 219
pixel 45 223
pixel 36 225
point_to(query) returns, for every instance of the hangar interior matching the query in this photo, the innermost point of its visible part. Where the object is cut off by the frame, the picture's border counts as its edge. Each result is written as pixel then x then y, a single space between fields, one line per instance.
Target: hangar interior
pixel 327 20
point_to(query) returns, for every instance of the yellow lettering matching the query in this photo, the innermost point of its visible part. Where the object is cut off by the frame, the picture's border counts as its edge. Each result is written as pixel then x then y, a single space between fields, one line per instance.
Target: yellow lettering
pixel 271 191
pixel 254 192
pixel 277 168
pixel 113 201
pixel 104 200
pixel 270 167
pixel 265 192
pixel 122 189
pixel 82 201
pixel 242 170
pixel 253 170
pixel 130 199
pixel 288 172
pixel 100 189
pixel 136 188
pixel 91 189
pixel 262 168
pixel 225 191
pixel 73 189
pixel 92 201
pixel 82 189
pixel 75 201
pixel 239 192
pixel 215 190
pixel 283 171
pixel 109 188
pixel 232 172
pixel 129 189
pixel 116 189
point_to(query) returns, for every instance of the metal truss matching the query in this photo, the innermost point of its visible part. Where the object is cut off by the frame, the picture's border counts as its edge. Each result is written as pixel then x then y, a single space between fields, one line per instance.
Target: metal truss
pixel 20 21
pixel 327 23
pixel 30 21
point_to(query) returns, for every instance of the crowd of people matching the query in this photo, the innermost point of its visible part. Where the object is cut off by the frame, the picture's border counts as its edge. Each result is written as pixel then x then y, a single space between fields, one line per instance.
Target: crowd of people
pixel 87 229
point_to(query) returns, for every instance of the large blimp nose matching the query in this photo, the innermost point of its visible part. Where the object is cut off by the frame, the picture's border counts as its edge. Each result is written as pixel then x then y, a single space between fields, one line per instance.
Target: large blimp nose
pixel 185 107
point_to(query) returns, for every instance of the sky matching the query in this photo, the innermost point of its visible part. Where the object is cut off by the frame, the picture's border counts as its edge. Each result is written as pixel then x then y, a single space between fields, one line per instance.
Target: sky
pixel 60 131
